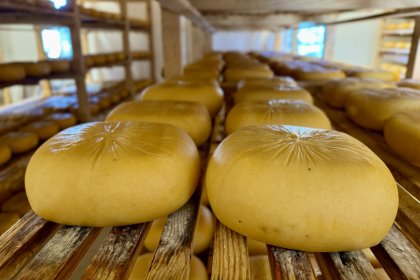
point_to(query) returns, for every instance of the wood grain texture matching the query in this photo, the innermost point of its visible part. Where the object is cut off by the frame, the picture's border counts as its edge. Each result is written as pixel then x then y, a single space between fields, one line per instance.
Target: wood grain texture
pixel 61 254
pixel 172 47
pixel 230 255
pixel 346 266
pixel 399 258
pixel 20 235
pixel 408 216
pixel 118 253
pixel 289 264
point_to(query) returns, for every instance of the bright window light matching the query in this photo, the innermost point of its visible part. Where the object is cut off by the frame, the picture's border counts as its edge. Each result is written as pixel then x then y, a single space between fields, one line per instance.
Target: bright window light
pixel 310 40
pixel 58 4
pixel 57 42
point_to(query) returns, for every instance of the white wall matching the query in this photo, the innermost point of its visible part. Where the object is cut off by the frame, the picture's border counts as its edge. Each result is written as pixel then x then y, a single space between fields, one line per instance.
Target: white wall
pixel 356 43
pixel 244 41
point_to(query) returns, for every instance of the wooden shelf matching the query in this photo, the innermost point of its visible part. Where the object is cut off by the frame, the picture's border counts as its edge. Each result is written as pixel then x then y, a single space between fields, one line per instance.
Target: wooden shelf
pixel 35 81
pixel 398 32
pixel 110 65
pixel 395 51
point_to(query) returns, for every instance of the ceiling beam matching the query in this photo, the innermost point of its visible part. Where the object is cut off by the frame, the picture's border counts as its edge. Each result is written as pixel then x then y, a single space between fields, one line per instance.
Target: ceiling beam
pixel 271 22
pixel 185 8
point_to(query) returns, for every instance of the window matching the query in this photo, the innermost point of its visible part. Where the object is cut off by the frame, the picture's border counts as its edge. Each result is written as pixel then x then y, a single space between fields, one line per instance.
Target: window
pixel 310 40
pixel 58 4
pixel 57 42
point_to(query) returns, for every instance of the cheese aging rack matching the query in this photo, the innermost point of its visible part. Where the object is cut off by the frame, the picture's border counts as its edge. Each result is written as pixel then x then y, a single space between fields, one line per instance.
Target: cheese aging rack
pixel 38 249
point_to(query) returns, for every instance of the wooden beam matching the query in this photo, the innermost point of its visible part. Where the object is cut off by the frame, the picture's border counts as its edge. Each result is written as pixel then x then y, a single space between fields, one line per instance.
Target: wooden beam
pixel 184 7
pixel 172 54
pixel 413 66
pixel 126 48
pixel 270 6
pixel 152 61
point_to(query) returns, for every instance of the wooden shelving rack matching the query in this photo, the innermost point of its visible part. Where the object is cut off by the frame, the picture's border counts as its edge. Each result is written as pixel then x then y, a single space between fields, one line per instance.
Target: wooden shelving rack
pixel 15 12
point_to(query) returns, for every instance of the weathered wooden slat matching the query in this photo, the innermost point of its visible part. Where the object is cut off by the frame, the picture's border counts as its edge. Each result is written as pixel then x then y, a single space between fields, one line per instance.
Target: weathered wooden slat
pixel 172 257
pixel 58 258
pixel 408 216
pixel 346 266
pixel 289 264
pixel 20 235
pixel 118 253
pixel 399 258
pixel 230 255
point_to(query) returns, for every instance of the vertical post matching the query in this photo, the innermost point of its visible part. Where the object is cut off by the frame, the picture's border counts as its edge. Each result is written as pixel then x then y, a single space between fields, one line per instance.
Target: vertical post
pixel 150 18
pixel 294 41
pixel 329 42
pixel 126 45
pixel 413 66
pixel 45 85
pixel 79 65
pixel 171 31
pixel 208 41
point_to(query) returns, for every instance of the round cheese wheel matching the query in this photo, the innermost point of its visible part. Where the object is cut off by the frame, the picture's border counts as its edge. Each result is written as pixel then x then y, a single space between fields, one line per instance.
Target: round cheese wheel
pixel 315 190
pixel 322 74
pixel 63 120
pixel 237 74
pixel 372 74
pixel 99 59
pixel 43 129
pixel 104 102
pixel 115 98
pixel 203 233
pixel 7 220
pixel 89 60
pixel 402 134
pixel 94 108
pixel 192 117
pixel 5 154
pixel 17 204
pixel 336 91
pixel 259 267
pixel 409 83
pixel 290 112
pixel 91 167
pixel 371 108
pixel 11 72
pixel 59 65
pixel 267 93
pixel 142 266
pixel 270 82
pixel 123 93
pixel 209 95
pixel 20 141
pixel 256 247
pixel 36 69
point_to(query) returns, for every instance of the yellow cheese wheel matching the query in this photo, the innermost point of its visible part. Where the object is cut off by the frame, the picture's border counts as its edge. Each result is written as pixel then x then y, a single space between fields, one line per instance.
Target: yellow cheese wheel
pixel 259 267
pixel 123 93
pixel 336 91
pixel 256 247
pixel 94 108
pixel 209 95
pixel 371 108
pixel 100 59
pixel 89 60
pixel 17 204
pixel 409 83
pixel 7 220
pixel 43 129
pixel 402 134
pixel 63 120
pixel 267 93
pixel 115 98
pixel 290 112
pixel 142 266
pixel 372 74
pixel 5 154
pixel 192 117
pixel 36 69
pixel 20 141
pixel 203 233
pixel 268 82
pixel 12 72
pixel 321 74
pixel 315 190
pixel 91 167
pixel 237 74
pixel 59 65
pixel 104 102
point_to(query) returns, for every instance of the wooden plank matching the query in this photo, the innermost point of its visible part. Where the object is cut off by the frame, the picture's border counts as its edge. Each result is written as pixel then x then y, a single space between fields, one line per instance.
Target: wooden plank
pixel 184 7
pixel 254 21
pixel 172 257
pixel 171 32
pixel 408 215
pixel 20 235
pixel 289 264
pixel 346 266
pixel 59 257
pixel 230 255
pixel 152 61
pixel 399 258
pixel 126 48
pixel 413 65
pixel 118 253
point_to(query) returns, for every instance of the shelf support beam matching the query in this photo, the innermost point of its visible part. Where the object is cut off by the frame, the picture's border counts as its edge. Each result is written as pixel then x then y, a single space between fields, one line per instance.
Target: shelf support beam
pixel 172 52
pixel 126 45
pixel 413 66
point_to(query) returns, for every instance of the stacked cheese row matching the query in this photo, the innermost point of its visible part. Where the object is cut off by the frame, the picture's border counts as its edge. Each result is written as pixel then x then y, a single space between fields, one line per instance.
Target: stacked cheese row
pixel 380 105
pixel 97 60
pixel 41 3
pixel 16 71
